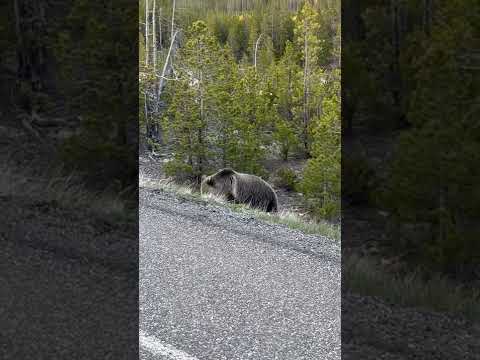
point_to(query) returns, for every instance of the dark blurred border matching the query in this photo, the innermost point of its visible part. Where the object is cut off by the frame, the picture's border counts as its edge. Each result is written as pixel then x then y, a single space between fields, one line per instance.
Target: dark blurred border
pixel 69 187
pixel 410 179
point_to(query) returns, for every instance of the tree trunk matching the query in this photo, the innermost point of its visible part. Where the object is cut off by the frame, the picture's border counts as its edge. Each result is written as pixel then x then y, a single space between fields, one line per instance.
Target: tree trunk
pixel 147 52
pixel 154 38
pixel 32 67
pixel 160 41
pixel 289 98
pixel 348 112
pixel 201 129
pixel 427 16
pixel 395 66
pixel 147 124
pixel 173 22
pixel 166 66
pixel 305 96
pixel 256 51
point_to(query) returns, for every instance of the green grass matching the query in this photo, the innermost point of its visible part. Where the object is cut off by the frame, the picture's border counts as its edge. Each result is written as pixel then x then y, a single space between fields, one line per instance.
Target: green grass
pixel 364 277
pixel 287 218
pixel 294 221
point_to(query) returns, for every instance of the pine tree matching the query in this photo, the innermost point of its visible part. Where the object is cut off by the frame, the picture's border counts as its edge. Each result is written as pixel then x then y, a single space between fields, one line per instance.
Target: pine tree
pixel 322 181
pixel 94 83
pixel 189 110
pixel 308 43
pixel 433 172
pixel 238 37
pixel 288 84
pixel 252 116
pixel 221 132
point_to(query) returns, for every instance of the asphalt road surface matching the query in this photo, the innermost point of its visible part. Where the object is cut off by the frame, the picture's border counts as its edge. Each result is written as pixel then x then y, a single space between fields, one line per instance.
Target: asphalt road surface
pixel 215 284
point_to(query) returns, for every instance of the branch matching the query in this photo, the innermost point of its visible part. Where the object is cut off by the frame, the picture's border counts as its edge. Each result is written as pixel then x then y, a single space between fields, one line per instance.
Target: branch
pixel 39 121
pixel 165 66
pixel 168 79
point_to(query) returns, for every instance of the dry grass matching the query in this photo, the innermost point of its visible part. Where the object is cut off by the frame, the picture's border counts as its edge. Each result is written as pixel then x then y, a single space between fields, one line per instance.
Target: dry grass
pixel 292 220
pixel 284 217
pixel 67 192
pixel 361 275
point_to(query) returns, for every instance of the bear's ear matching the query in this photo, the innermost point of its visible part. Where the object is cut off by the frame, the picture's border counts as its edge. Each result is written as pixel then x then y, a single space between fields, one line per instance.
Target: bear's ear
pixel 208 180
pixel 226 172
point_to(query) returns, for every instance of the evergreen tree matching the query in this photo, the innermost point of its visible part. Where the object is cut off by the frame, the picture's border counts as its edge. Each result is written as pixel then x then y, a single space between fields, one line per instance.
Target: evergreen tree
pixel 308 44
pixel 94 83
pixel 433 172
pixel 238 37
pixel 322 180
pixel 189 110
pixel 252 116
pixel 288 84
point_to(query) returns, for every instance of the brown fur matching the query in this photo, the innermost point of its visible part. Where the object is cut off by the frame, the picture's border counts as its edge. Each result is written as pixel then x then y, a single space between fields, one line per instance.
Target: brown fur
pixel 241 188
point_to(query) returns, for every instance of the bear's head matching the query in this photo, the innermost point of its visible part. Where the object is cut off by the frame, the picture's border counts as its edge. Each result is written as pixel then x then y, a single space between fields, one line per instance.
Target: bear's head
pixel 220 183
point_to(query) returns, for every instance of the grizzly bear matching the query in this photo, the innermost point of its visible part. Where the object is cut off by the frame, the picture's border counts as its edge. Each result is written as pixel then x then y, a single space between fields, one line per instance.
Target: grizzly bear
pixel 241 188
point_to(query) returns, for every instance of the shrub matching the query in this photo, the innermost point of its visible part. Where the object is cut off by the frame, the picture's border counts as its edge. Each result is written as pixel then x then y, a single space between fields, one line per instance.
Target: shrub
pixel 153 145
pixel 101 162
pixel 321 187
pixel 286 178
pixel 358 178
pixel 286 138
pixel 321 182
pixel 179 171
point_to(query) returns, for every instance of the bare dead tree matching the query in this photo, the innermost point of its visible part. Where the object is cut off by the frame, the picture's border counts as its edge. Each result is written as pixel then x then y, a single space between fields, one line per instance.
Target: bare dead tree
pixel 256 51
pixel 160 27
pixel 173 20
pixel 32 58
pixel 154 40
pixel 306 74
pixel 146 34
pixel 146 114
pixel 167 64
pixel 395 64
pixel 31 53
pixel 427 16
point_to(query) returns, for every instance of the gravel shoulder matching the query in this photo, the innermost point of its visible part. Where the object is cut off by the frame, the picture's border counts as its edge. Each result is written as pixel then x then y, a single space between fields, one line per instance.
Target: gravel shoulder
pixel 372 329
pixel 221 285
pixel 68 284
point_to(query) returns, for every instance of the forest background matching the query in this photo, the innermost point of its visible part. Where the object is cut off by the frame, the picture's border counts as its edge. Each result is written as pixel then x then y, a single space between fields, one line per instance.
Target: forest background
pixel 409 105
pixel 410 77
pixel 249 83
pixel 241 84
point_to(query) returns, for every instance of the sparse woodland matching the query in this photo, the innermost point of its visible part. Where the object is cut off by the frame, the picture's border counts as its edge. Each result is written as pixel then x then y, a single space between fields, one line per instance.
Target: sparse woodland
pixel 235 83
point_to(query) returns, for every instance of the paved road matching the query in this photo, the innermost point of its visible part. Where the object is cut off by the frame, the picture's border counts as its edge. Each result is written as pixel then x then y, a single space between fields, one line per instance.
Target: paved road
pixel 219 285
